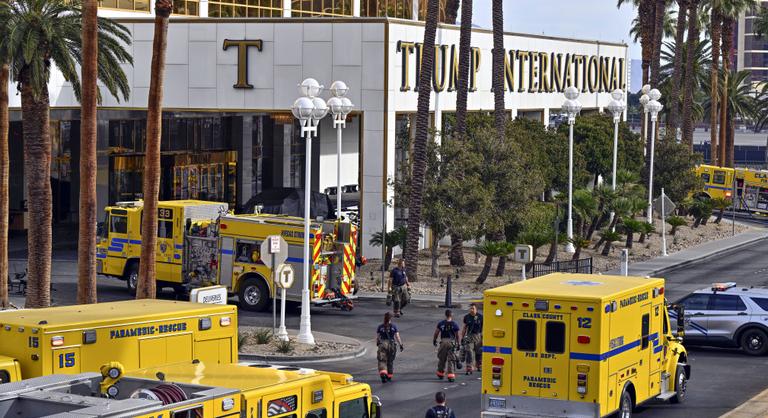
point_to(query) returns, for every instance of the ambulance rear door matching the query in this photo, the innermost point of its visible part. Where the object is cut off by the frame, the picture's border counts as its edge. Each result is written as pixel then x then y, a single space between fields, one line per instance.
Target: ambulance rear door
pixel 540 363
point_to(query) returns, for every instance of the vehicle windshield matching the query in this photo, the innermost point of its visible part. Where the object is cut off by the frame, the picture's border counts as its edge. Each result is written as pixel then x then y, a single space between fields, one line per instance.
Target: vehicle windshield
pixel 356 408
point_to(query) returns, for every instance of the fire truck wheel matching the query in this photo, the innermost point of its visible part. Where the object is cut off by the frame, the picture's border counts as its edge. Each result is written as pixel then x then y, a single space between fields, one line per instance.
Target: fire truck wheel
pixel 132 277
pixel 754 341
pixel 253 294
pixel 681 385
pixel 625 405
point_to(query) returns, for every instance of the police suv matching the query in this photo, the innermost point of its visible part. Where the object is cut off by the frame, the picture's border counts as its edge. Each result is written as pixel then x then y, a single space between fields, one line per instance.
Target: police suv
pixel 727 315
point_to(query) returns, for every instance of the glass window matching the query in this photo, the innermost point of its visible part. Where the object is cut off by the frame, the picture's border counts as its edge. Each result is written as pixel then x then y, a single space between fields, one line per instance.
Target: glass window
pixel 555 337
pixel 5 377
pixel 165 229
pixel 317 413
pixel 402 9
pixel 526 335
pixel 727 303
pixel 243 8
pixel 719 177
pixel 705 177
pixel 665 320
pixel 356 408
pixel 645 330
pixel 248 252
pixel 696 302
pixel 194 412
pixel 761 302
pixel 118 224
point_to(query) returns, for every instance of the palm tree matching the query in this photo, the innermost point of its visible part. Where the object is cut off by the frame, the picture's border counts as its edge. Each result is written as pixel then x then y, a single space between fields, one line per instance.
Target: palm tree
pixel 86 238
pixel 40 33
pixel 536 238
pixel 4 172
pixel 692 44
pixel 621 207
pixel 760 24
pixel 462 93
pixel 669 26
pixel 676 222
pixel 659 16
pixel 505 249
pixel 677 73
pixel 609 237
pixel 489 249
pixel 715 33
pixel 579 243
pixel 721 204
pixel 498 67
pixel 736 94
pixel 631 226
pixel 420 143
pixel 391 240
pixel 585 205
pixel 647 229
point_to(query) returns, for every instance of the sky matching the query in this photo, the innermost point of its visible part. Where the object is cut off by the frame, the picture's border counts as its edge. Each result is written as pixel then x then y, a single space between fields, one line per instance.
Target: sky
pixel 583 19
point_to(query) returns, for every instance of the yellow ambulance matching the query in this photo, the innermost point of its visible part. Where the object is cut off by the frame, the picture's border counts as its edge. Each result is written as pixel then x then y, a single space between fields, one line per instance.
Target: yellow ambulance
pixel 200 244
pixel 136 333
pixel 579 345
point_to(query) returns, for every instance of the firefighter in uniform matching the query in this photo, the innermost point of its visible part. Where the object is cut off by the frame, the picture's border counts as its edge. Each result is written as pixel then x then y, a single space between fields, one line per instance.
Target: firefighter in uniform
pixel 399 287
pixel 472 339
pixel 448 331
pixel 387 341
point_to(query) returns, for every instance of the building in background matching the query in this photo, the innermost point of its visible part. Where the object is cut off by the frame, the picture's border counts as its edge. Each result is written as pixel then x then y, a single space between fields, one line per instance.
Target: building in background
pixel 751 50
pixel 228 133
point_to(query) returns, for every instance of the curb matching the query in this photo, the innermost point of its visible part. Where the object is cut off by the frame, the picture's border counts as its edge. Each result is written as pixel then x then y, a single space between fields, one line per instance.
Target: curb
pixel 358 352
pixel 756 407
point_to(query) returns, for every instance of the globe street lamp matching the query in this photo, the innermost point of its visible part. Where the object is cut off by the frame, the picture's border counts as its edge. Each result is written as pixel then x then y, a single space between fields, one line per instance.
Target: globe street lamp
pixel 654 107
pixel 644 99
pixel 309 110
pixel 571 107
pixel 340 107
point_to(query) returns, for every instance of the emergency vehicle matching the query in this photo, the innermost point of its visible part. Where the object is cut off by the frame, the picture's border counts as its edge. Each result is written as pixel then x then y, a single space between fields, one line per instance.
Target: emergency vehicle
pixel 193 390
pixel 750 186
pixel 137 333
pixel 200 244
pixel 579 345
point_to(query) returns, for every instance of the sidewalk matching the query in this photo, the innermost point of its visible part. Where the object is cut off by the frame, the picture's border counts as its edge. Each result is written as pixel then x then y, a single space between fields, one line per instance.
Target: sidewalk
pixel 756 407
pixel 658 265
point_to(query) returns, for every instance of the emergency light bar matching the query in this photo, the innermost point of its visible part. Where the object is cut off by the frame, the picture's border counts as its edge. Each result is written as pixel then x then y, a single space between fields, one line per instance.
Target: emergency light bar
pixel 721 287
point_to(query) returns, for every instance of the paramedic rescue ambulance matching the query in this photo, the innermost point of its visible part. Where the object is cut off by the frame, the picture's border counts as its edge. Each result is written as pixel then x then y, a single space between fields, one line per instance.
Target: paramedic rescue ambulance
pixel 136 333
pixel 200 244
pixel 579 345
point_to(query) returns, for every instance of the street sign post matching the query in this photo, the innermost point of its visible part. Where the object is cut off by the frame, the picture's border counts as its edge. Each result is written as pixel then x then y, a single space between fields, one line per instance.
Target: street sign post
pixel 524 255
pixel 277 249
pixel 285 280
pixel 664 206
pixel 625 262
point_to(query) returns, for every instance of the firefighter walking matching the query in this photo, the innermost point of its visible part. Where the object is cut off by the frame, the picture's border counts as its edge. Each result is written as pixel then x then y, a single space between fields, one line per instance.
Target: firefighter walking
pixel 387 341
pixel 399 288
pixel 448 331
pixel 472 339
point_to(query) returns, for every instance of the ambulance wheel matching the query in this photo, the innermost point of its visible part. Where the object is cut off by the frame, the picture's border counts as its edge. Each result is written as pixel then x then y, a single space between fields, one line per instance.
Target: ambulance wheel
pixel 754 341
pixel 253 294
pixel 625 406
pixel 132 277
pixel 681 384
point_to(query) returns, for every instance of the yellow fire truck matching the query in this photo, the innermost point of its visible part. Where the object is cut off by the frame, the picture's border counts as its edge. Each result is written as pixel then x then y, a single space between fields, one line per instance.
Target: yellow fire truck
pixel 193 390
pixel 579 345
pixel 201 244
pixel 750 186
pixel 139 334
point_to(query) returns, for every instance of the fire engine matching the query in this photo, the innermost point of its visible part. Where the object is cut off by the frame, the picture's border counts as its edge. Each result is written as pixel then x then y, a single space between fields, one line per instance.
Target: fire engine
pixel 749 186
pixel 201 244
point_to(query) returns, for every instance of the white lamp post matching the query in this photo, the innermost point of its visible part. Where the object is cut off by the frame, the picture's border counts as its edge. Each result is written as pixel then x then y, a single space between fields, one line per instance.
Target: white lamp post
pixel 616 107
pixel 571 107
pixel 340 107
pixel 654 107
pixel 309 110
pixel 644 99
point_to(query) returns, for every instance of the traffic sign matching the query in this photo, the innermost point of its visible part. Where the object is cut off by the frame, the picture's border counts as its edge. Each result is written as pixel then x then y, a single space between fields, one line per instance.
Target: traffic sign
pixel 669 206
pixel 274 258
pixel 285 276
pixel 523 253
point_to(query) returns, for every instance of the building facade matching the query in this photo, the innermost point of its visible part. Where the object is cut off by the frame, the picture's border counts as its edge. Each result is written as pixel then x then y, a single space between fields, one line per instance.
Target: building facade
pixel 751 49
pixel 228 133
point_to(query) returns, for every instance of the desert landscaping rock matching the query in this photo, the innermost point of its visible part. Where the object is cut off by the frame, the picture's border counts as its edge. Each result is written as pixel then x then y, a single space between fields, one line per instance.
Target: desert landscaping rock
pixel 323 348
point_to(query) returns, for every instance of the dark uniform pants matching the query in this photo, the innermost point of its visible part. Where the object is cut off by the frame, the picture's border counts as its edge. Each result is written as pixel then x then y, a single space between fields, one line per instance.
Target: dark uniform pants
pixel 399 297
pixel 446 358
pixel 386 357
pixel 473 350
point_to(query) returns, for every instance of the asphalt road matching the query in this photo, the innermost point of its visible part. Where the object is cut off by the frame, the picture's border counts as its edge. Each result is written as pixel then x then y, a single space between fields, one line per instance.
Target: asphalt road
pixel 722 379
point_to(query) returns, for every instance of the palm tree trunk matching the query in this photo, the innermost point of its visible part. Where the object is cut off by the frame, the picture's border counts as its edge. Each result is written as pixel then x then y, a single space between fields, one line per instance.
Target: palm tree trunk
pixel 720 214
pixel 645 14
pixel 147 287
pixel 4 172
pixel 715 31
pixel 86 246
pixel 465 39
pixel 552 251
pixel 485 271
pixel 726 50
pixel 497 84
pixel 420 143
pixel 691 44
pixel 387 257
pixel 435 254
pixel 677 73
pixel 502 266
pixel 630 239
pixel 660 13
pixel 576 253
pixel 607 248
pixel 37 169
pixel 730 134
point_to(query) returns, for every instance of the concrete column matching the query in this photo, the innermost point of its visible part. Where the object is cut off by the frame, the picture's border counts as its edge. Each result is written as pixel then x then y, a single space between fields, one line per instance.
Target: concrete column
pixel 286 8
pixel 242 139
pixel 514 114
pixel 356 8
pixel 415 12
pixel 203 8
pixel 545 117
pixel 286 156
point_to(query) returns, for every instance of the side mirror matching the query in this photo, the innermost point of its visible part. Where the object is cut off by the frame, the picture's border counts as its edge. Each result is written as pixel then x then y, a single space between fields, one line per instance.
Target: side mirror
pixel 100 229
pixel 375 407
pixel 680 314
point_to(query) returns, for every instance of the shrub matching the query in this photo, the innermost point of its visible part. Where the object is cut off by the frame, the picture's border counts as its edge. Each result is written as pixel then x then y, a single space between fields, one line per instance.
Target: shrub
pixel 284 347
pixel 262 336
